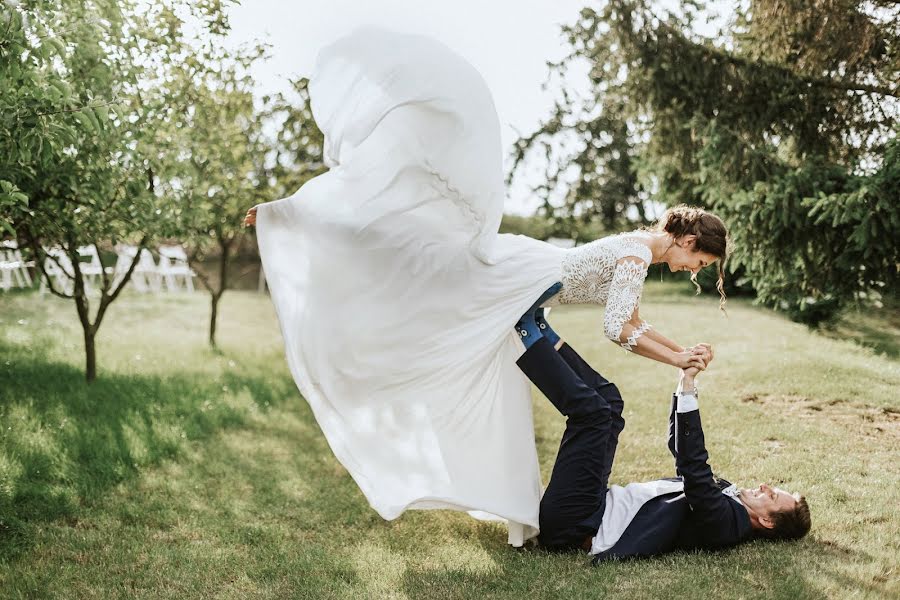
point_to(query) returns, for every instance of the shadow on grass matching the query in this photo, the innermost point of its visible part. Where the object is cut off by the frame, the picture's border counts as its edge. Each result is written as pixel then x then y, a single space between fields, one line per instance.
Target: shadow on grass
pixel 778 571
pixel 878 330
pixel 64 443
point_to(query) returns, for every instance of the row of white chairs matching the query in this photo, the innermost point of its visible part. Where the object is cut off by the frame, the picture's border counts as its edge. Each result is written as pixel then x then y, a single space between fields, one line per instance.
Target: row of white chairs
pixel 14 271
pixel 171 273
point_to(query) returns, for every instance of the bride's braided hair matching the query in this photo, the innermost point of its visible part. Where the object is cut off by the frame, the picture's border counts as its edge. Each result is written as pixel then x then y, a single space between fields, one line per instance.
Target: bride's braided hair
pixel 712 237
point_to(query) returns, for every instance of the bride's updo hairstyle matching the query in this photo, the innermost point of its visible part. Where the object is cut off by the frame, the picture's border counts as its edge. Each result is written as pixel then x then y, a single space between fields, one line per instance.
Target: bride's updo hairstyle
pixel 712 237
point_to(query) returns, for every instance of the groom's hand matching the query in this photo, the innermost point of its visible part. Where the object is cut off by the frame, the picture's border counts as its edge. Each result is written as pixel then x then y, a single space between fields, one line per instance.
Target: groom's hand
pixel 691 372
pixel 703 350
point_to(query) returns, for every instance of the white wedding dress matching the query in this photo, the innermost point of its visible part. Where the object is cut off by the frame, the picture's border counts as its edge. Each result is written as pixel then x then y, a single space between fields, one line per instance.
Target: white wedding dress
pixel 397 297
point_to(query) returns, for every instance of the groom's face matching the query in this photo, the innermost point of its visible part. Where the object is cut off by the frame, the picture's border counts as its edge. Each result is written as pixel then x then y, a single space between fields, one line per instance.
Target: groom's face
pixel 765 501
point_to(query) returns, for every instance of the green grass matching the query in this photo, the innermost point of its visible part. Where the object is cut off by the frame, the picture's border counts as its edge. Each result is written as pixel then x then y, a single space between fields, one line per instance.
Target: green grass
pixel 876 328
pixel 184 473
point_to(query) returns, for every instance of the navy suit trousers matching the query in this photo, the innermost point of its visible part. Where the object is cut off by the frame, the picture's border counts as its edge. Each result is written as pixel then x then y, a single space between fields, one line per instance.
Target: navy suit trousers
pixel 573 503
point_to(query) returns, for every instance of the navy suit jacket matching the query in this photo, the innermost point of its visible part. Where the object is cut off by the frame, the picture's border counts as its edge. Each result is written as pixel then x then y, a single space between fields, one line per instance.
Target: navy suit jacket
pixel 700 518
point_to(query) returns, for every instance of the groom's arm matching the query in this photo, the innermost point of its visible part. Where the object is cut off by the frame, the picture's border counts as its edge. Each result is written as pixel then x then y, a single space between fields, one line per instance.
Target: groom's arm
pixel 673 431
pixel 692 459
pixel 682 403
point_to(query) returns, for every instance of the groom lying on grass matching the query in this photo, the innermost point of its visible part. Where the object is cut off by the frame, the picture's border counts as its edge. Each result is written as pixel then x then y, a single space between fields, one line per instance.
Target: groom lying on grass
pixel 694 510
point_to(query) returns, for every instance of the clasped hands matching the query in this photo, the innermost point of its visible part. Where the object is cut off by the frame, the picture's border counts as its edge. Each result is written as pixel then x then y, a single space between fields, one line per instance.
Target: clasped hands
pixel 694 358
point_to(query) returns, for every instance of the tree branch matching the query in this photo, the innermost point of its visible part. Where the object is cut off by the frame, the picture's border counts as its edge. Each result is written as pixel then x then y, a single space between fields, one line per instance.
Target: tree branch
pixel 853 87
pixel 103 274
pixel 131 267
pixel 77 109
pixel 82 304
pixel 193 259
pixel 810 79
pixel 39 256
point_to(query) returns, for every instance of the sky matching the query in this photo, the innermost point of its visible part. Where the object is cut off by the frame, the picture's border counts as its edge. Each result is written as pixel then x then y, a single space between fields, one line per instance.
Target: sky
pixel 508 41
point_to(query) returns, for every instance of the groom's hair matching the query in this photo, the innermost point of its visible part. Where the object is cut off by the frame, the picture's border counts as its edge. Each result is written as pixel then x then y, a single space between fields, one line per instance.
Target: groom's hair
pixel 790 524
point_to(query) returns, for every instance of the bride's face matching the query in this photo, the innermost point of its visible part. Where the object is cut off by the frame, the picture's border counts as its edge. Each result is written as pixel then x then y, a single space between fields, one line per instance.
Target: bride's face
pixel 682 256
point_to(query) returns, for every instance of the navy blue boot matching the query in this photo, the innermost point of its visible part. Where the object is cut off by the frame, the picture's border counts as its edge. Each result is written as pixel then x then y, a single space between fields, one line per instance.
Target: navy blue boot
pixel 527 326
pixel 544 326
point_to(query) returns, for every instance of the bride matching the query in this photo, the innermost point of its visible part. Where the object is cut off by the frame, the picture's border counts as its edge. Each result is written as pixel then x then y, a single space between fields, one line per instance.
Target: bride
pixel 397 298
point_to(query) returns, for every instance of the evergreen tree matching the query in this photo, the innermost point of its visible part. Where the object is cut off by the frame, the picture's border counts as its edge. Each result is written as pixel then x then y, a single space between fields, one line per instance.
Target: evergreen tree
pixel 784 125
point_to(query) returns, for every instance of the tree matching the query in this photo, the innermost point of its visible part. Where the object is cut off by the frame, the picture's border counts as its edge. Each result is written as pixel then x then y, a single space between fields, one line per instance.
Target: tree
pixel 83 143
pixel 232 161
pixel 783 125
pixel 217 135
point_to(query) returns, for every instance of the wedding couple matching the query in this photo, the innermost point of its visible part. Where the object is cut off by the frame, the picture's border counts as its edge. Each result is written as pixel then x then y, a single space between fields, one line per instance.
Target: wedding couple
pixel 402 310
pixel 694 510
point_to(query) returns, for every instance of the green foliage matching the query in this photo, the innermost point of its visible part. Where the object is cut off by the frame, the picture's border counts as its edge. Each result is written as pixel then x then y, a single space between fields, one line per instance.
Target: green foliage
pixel 541 228
pixel 12 199
pixel 232 161
pixel 297 150
pixel 818 236
pixel 83 131
pixel 535 226
pixel 783 125
pixel 123 121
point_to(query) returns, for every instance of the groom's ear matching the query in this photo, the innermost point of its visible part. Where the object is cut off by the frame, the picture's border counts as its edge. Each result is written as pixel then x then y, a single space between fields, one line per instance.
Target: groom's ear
pixel 767 522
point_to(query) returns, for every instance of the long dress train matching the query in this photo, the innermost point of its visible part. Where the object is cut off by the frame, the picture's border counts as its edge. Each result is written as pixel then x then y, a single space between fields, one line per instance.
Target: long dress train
pixel 395 294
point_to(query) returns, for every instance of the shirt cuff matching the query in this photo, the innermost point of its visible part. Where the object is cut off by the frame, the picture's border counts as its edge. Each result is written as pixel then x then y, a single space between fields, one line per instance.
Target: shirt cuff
pixel 686 402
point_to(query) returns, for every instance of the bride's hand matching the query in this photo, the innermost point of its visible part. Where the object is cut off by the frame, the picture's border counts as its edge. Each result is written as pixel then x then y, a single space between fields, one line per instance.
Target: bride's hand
pixel 704 350
pixel 688 359
pixel 250 217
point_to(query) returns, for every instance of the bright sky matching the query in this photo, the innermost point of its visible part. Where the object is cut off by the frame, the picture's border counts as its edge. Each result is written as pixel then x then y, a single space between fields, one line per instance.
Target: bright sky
pixel 508 41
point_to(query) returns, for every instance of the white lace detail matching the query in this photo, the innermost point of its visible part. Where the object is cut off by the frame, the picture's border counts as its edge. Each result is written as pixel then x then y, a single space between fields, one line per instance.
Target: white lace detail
pixel 631 342
pixel 442 185
pixel 587 271
pixel 624 292
pixel 592 274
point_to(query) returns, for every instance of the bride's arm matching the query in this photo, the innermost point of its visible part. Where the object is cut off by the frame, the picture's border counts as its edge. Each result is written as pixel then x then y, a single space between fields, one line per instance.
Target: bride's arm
pixel 637 341
pixel 657 336
pixel 622 324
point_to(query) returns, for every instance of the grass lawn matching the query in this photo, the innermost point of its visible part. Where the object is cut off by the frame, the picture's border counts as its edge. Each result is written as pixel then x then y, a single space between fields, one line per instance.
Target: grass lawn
pixel 184 473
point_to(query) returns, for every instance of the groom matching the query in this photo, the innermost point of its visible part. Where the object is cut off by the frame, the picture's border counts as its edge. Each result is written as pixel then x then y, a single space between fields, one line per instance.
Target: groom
pixel 694 510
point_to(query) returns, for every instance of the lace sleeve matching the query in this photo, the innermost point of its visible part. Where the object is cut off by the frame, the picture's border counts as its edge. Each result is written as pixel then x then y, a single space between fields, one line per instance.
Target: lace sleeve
pixel 624 293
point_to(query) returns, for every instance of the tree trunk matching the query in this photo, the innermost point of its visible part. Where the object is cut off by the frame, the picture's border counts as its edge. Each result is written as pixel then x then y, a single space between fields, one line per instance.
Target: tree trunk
pixel 82 306
pixel 212 318
pixel 90 354
pixel 225 246
pixel 90 333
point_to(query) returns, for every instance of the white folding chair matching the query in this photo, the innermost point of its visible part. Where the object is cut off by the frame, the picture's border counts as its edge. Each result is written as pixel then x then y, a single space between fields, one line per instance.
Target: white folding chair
pixel 7 266
pixel 92 270
pixel 58 266
pixel 149 271
pixel 145 276
pixel 175 270
pixel 124 255
pixel 14 267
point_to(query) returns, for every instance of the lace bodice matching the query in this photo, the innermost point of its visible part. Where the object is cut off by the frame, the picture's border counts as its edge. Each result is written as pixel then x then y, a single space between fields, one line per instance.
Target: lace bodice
pixel 592 274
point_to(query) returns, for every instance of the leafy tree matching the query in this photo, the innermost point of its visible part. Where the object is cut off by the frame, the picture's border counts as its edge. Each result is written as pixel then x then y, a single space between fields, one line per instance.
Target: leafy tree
pixel 784 125
pixel 217 134
pixel 232 161
pixel 88 90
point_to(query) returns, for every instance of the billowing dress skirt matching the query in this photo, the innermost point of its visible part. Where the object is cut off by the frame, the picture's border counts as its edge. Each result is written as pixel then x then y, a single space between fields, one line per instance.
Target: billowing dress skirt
pixel 396 295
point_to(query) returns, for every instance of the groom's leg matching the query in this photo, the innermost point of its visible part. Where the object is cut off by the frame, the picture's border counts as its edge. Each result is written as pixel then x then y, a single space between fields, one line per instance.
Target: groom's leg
pixel 606 389
pixel 573 503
